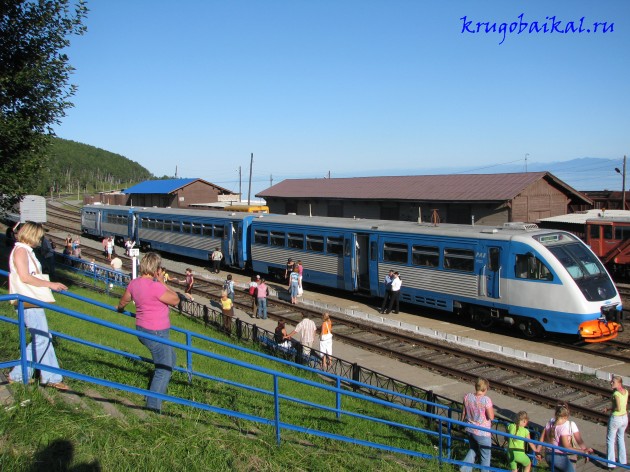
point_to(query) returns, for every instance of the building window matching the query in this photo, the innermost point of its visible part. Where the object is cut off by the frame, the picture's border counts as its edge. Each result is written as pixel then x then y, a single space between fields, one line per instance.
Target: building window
pixel 390 212
pixel 335 210
pixel 291 206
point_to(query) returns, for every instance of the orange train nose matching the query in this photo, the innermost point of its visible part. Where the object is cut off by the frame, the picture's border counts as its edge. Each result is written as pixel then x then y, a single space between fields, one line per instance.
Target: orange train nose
pixel 597 331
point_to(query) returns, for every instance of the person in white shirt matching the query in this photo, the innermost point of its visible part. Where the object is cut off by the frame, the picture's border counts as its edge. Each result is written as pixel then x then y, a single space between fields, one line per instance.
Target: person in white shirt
pixel 306 329
pixel 395 295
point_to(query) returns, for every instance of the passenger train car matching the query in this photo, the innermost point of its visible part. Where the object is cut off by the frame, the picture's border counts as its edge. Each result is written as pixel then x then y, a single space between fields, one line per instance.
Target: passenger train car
pixel 191 233
pixel 536 280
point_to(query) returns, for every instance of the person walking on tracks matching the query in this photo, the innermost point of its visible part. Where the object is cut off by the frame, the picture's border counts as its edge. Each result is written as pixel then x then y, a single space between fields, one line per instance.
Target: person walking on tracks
pixel 217 257
pixel 261 294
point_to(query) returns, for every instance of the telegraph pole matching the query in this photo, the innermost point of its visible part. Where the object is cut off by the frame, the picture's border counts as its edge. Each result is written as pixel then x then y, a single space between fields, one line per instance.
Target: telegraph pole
pixel 623 191
pixel 249 192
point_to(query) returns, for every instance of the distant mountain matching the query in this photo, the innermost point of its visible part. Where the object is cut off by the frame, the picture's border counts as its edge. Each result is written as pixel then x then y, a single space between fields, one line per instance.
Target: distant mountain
pixel 73 165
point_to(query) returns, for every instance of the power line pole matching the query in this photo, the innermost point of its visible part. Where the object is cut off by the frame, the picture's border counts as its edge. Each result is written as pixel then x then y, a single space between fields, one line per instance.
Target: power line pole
pixel 240 184
pixel 526 156
pixel 623 191
pixel 270 180
pixel 249 192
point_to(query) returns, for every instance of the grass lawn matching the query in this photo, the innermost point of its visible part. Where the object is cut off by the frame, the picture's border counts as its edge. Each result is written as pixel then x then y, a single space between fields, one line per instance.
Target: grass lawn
pixel 48 430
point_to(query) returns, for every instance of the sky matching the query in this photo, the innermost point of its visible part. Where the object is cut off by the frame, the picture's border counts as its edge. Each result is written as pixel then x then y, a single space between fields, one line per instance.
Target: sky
pixel 350 87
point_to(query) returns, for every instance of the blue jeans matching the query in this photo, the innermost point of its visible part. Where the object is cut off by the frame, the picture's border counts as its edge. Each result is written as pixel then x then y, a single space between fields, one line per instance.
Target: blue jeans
pixel 561 462
pixel 616 431
pixel 262 308
pixel 39 349
pixel 479 445
pixel 164 360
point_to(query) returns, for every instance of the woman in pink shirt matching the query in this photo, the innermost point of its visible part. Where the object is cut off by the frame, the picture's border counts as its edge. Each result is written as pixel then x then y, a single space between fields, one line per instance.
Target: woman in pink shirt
pixel 152 298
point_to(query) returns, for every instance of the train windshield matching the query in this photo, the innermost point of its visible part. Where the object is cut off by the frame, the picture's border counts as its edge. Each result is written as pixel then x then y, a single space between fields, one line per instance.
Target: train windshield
pixel 583 266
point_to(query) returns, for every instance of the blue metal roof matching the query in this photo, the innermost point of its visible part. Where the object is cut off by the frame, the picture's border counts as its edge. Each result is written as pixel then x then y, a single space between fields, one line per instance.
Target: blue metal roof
pixel 159 186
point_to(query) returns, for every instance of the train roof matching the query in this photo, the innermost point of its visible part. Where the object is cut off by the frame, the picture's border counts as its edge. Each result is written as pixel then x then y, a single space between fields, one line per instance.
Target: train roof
pixel 508 229
pixel 581 217
pixel 179 212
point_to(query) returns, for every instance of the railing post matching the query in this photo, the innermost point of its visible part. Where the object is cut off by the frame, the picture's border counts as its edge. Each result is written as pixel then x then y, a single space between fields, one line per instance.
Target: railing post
pixel 431 398
pixel 206 318
pixel 276 402
pixel 356 376
pixel 239 328
pixel 189 356
pixel 255 334
pixel 22 330
pixel 298 353
pixel 338 395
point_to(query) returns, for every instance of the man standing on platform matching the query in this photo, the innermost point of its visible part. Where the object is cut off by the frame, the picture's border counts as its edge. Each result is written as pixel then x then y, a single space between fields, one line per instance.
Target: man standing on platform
pixel 388 290
pixel 395 293
pixel 216 257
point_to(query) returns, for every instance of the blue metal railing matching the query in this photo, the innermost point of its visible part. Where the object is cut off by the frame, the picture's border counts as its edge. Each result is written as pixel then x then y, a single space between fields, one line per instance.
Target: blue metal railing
pixel 444 424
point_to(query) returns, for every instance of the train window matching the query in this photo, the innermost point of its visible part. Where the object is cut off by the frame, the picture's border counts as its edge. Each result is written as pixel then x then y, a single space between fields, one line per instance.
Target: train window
pixel 159 224
pixel 373 251
pixel 196 229
pixel 218 231
pixel 295 240
pixel 428 256
pixel 530 267
pixel 168 225
pixel 334 245
pixel 145 223
pixel 459 259
pixel 261 237
pixel 494 262
pixel 186 227
pixel 608 232
pixel 206 230
pixel 315 243
pixel 277 239
pixel 395 252
pixel 595 231
pixel 622 232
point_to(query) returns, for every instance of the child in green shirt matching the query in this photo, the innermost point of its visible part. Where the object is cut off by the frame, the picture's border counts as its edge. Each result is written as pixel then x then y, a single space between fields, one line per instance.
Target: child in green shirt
pixel 516 447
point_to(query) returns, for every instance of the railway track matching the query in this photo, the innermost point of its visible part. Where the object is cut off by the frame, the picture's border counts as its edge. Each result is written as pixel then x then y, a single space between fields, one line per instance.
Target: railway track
pixel 537 384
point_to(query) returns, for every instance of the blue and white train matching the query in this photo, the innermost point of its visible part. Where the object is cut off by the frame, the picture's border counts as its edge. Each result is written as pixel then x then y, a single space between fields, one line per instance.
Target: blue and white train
pixel 536 280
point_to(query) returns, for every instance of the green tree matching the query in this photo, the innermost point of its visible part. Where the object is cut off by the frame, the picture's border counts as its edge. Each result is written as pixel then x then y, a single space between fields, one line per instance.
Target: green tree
pixel 34 86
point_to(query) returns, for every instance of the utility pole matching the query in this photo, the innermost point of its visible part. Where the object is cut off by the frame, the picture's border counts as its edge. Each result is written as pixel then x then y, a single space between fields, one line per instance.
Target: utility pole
pixel 249 192
pixel 623 191
pixel 240 185
pixel 270 180
pixel 623 183
pixel 526 156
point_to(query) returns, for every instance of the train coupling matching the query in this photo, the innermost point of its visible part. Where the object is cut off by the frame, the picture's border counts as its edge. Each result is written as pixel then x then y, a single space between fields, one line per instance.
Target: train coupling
pixel 604 328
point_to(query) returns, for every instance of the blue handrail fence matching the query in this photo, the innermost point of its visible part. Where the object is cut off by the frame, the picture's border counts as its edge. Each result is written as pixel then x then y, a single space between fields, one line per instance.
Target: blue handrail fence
pixel 335 394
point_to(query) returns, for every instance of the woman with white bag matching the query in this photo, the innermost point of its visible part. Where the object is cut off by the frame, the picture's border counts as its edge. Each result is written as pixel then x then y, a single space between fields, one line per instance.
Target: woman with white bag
pixel 25 269
pixel 325 341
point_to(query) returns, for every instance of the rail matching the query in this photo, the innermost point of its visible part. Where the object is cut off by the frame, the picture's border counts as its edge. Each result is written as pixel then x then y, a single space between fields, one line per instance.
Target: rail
pixel 444 425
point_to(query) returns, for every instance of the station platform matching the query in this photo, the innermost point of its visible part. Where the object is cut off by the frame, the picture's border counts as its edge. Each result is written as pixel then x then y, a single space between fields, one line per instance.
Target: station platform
pixel 446 329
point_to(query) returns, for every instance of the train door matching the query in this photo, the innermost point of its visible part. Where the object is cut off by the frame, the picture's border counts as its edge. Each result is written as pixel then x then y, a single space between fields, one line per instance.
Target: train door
pixel 229 244
pixel 493 272
pixel 373 265
pixel 362 256
pixel 131 225
pixel 350 273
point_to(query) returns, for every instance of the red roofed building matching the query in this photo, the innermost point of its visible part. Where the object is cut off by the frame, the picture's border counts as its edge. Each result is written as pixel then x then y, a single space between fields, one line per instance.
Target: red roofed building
pixel 491 199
